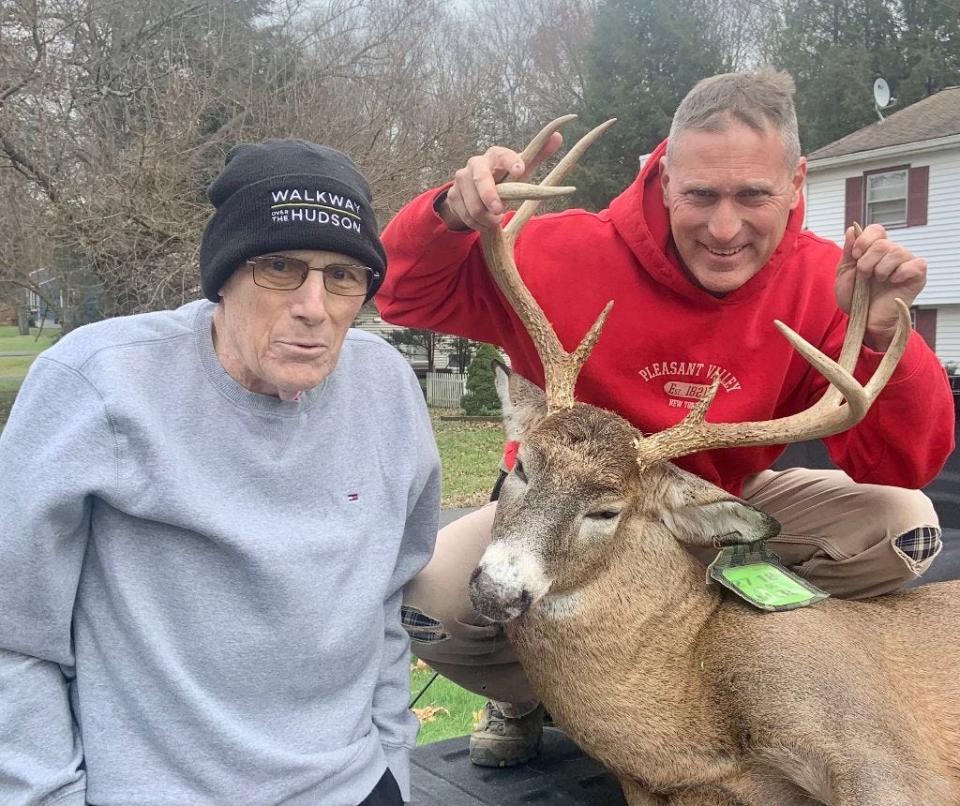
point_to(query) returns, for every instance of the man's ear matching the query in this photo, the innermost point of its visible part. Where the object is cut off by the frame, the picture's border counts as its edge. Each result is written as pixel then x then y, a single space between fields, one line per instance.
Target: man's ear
pixel 664 181
pixel 699 513
pixel 523 403
pixel 799 177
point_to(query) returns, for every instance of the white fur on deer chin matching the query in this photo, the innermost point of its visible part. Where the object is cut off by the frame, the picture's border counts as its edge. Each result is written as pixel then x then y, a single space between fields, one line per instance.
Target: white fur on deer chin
pixel 561 605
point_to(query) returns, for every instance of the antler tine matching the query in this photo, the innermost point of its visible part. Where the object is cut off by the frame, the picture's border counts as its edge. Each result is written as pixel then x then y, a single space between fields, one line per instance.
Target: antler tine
pixel 830 415
pixel 560 170
pixel 513 191
pixel 892 356
pixel 856 326
pixel 560 368
pixel 582 353
pixel 538 142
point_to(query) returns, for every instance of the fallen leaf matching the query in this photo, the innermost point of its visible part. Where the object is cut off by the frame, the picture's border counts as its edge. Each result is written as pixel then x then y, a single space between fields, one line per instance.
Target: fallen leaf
pixel 429 713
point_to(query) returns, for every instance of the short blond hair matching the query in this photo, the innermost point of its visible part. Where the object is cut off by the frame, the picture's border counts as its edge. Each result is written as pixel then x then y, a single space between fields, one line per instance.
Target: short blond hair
pixel 760 99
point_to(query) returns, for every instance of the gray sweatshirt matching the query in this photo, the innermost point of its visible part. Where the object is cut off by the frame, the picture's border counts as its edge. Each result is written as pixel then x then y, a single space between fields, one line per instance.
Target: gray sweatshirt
pixel 199 585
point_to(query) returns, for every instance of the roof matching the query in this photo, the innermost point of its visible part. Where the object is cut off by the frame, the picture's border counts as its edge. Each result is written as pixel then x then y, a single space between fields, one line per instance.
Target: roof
pixel 935 116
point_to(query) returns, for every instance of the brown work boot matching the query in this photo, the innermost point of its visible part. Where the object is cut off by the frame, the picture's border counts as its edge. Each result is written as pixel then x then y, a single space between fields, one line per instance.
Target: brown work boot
pixel 502 741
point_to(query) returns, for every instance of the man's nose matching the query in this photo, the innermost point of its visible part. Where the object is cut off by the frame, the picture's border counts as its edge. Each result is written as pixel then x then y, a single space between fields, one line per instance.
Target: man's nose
pixel 310 300
pixel 725 221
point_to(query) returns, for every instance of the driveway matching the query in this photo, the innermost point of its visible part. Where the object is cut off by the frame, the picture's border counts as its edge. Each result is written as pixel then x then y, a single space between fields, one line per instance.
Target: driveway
pixel 450 515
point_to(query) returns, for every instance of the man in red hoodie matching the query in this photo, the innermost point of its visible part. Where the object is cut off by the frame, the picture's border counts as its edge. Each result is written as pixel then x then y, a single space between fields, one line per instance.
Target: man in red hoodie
pixel 701 254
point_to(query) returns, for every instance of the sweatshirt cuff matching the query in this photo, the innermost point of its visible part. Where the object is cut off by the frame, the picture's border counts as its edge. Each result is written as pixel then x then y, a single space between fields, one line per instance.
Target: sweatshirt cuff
pixel 421 225
pixel 911 362
pixel 441 230
pixel 398 760
pixel 438 197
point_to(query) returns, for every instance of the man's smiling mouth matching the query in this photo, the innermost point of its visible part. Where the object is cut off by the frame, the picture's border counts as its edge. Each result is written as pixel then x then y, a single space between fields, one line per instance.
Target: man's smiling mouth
pixel 724 252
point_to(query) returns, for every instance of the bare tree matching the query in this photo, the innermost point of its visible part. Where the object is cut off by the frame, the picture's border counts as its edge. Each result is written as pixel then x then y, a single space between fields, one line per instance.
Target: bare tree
pixel 115 115
pixel 531 56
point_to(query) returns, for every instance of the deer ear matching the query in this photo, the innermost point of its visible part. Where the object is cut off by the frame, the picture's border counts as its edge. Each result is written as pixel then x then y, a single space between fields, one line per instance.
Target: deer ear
pixel 721 523
pixel 699 513
pixel 523 403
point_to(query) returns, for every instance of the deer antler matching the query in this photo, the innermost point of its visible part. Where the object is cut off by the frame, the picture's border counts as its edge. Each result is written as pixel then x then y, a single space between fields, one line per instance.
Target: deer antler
pixel 842 406
pixel 560 368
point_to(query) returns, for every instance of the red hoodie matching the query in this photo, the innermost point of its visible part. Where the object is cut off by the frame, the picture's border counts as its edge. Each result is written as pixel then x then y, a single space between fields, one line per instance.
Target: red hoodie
pixel 665 337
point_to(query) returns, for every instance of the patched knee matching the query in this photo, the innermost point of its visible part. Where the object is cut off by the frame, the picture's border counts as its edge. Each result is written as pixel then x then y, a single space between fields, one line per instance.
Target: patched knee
pixel 421 627
pixel 920 546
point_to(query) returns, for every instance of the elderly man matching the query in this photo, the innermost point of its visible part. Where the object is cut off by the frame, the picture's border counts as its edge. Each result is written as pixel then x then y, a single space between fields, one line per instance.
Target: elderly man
pixel 208 517
pixel 701 254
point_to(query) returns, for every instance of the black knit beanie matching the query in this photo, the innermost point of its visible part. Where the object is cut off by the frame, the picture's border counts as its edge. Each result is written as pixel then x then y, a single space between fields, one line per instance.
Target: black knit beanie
pixel 287 194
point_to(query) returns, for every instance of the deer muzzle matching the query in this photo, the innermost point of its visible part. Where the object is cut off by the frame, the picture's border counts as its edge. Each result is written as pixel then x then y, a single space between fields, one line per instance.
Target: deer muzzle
pixel 506 583
pixel 493 601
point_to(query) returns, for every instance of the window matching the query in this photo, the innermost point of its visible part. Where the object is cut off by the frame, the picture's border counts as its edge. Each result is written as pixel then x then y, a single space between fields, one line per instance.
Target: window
pixel 886 198
pixel 895 196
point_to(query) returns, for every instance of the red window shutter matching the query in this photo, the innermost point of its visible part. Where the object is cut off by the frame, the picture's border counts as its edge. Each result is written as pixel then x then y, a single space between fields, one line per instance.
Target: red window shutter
pixel 853 207
pixel 927 325
pixel 918 183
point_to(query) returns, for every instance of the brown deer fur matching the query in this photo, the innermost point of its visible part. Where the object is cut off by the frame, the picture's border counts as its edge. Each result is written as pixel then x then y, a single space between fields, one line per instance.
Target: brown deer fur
pixel 688 695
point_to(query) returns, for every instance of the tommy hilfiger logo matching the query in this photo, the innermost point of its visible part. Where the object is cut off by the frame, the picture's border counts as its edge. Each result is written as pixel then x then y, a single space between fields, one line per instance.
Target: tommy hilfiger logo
pixel 318 206
pixel 353 496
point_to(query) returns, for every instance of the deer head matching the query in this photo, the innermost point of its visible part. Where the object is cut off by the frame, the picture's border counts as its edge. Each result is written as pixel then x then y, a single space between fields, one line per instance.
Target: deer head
pixel 586 483
pixel 577 496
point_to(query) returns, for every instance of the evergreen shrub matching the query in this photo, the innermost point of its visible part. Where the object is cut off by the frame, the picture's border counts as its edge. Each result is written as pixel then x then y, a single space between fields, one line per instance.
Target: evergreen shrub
pixel 481 395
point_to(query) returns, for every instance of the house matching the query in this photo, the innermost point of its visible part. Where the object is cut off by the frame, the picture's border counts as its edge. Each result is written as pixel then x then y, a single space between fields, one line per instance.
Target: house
pixel 416 347
pixel 902 172
pixel 368 319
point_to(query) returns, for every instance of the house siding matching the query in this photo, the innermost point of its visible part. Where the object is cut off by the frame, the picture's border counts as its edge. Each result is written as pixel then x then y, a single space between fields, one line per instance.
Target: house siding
pixel 938 241
pixel 368 319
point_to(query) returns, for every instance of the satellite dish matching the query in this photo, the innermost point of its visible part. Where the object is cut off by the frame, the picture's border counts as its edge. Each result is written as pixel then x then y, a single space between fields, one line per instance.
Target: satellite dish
pixel 881 97
pixel 881 93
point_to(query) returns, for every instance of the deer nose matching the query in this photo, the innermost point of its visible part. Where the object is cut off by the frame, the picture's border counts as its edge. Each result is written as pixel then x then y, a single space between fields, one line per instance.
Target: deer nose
pixel 496 601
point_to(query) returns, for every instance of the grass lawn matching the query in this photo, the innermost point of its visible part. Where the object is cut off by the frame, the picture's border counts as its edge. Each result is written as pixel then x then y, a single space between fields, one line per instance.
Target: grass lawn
pixel 445 710
pixel 470 453
pixel 15 364
pixel 14 367
pixel 12 342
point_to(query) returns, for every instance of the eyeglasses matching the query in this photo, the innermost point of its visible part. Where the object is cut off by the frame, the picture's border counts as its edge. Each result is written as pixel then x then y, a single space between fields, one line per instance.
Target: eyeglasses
pixel 280 273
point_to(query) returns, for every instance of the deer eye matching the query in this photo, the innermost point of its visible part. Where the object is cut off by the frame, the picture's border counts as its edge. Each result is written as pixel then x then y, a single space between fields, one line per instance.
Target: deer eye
pixel 603 514
pixel 518 471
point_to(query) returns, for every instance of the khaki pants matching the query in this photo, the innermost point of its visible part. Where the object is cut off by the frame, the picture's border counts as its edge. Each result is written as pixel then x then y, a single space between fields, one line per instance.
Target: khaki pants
pixel 852 540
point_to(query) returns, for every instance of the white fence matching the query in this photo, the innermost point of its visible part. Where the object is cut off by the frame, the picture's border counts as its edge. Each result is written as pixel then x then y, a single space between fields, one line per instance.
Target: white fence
pixel 445 389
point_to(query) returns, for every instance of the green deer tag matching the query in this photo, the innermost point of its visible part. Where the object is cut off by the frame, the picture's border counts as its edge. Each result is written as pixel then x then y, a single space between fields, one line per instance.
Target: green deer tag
pixel 755 574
